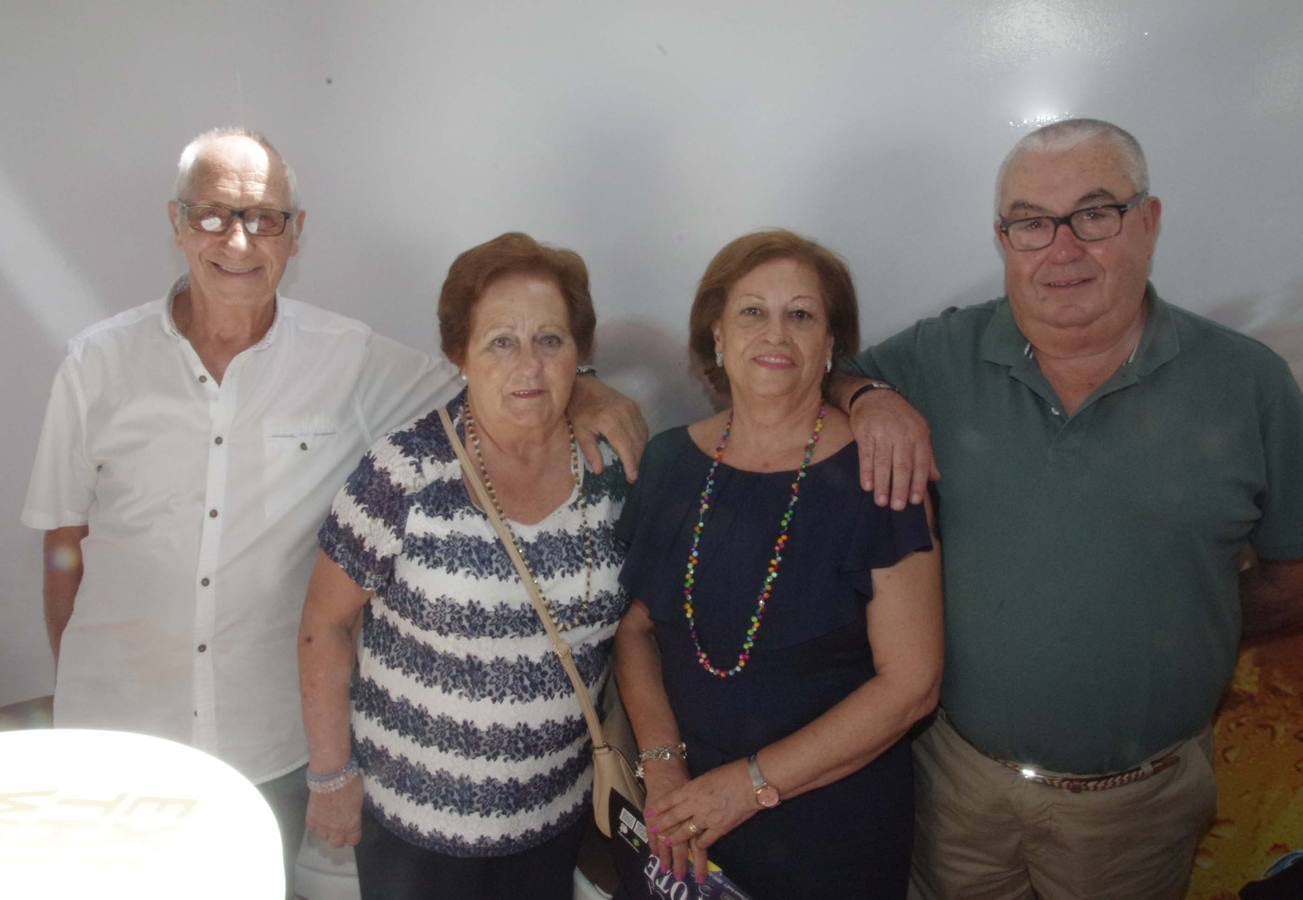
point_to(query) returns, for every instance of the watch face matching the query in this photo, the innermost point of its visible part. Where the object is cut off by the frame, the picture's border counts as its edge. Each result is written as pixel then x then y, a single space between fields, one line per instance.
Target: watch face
pixel 767 796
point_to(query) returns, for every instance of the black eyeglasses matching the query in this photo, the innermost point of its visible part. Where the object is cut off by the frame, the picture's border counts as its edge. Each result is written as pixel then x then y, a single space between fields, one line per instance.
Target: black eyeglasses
pixel 213 219
pixel 1094 223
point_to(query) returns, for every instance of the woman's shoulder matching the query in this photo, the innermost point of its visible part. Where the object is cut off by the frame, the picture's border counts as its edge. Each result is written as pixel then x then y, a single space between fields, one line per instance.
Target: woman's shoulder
pixel 417 452
pixel 665 450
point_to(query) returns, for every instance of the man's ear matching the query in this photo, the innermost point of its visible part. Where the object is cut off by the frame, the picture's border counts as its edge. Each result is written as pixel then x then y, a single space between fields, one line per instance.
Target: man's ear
pixel 298 230
pixel 1152 211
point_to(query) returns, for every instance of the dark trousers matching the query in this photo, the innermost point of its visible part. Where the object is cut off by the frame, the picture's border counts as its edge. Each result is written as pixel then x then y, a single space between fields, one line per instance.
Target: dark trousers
pixel 288 798
pixel 389 868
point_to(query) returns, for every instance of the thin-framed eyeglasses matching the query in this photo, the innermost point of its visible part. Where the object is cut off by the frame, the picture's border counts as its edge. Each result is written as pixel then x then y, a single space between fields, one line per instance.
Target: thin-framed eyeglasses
pixel 258 221
pixel 1093 223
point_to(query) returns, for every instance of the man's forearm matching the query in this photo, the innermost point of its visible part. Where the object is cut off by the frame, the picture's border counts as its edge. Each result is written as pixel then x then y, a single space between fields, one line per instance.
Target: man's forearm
pixel 63 569
pixel 1271 597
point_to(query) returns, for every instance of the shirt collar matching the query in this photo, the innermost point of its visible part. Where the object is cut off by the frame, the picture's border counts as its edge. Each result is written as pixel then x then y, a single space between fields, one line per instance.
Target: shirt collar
pixel 182 284
pixel 1004 344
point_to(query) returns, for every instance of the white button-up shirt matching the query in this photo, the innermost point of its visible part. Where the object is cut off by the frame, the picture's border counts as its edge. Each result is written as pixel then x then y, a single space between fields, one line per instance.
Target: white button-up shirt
pixel 202 502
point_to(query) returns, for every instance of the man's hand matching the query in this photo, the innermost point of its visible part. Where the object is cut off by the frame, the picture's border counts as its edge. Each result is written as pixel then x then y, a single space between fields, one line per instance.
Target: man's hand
pixel 894 441
pixel 596 409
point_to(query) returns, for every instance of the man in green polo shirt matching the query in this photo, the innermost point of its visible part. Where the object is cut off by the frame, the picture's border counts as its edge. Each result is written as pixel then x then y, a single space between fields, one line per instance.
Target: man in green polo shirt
pixel 1108 458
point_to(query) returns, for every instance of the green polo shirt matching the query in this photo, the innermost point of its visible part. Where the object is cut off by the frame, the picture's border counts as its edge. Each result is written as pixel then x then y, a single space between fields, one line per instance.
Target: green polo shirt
pixel 1092 601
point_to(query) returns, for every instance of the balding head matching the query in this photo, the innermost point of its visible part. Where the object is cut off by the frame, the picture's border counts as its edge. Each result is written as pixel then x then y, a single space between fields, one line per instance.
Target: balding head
pixel 192 158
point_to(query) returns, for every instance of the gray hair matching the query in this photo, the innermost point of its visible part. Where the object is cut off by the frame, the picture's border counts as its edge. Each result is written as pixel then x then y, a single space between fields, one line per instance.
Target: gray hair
pixel 1069 133
pixel 185 166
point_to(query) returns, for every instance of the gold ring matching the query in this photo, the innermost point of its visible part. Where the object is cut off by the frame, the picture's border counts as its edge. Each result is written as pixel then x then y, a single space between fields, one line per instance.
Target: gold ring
pixel 692 828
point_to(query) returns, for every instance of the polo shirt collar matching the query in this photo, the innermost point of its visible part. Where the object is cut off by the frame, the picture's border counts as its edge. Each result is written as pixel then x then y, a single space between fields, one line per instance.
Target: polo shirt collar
pixel 1160 343
pixel 1004 344
pixel 182 285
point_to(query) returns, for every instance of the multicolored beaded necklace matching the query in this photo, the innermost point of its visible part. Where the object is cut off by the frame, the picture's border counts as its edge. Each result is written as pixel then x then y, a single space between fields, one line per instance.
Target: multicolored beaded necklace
pixel 771 574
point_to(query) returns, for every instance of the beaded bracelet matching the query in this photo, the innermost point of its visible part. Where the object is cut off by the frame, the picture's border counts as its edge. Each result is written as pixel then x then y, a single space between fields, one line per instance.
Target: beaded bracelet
pixel 332 781
pixel 665 752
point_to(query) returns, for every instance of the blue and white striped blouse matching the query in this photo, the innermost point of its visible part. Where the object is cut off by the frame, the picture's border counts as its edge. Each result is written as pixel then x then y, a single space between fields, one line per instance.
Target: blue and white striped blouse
pixel 469 735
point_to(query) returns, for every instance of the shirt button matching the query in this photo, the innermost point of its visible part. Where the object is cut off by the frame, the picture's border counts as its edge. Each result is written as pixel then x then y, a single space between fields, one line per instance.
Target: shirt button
pixel 212 514
pixel 303 445
pixel 203 647
pixel 218 440
pixel 1055 411
pixel 203 379
pixel 204 581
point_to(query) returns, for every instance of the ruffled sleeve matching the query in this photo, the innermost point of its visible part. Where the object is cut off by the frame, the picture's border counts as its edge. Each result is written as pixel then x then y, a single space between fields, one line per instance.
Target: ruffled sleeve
pixel 882 538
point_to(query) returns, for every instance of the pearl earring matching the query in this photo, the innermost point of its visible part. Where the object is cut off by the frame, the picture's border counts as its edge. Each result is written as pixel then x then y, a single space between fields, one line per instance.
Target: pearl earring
pixel 719 359
pixel 827 367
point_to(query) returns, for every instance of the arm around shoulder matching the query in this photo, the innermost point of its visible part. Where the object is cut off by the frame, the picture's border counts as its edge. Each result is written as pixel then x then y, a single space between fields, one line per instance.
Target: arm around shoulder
pixel 397 383
pixel 599 410
pixel 893 438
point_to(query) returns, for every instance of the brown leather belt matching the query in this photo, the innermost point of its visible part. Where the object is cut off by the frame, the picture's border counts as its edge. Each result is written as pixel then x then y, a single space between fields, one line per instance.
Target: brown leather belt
pixel 1077 784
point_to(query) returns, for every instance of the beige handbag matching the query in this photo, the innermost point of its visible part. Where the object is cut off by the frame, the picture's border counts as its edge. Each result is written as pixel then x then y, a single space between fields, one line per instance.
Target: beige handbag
pixel 611 768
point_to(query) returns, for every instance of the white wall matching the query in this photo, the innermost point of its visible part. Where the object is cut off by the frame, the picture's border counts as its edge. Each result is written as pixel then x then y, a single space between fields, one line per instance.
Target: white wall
pixel 642 135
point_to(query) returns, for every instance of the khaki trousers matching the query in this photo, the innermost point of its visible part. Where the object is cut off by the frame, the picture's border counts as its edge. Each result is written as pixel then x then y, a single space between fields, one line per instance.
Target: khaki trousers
pixel 982 832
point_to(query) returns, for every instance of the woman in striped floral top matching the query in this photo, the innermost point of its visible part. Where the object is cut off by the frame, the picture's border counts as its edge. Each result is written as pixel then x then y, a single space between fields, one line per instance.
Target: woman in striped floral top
pixel 472 750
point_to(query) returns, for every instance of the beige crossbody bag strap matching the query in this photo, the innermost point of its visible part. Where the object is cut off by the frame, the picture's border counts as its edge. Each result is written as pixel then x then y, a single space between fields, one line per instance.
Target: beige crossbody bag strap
pixel 472 477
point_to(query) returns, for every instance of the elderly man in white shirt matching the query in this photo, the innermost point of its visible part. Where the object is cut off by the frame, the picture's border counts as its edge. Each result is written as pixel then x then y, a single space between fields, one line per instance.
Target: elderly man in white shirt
pixel 190 450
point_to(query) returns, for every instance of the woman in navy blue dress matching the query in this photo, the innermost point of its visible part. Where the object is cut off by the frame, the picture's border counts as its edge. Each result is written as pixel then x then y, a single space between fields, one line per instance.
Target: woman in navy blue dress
pixel 785 631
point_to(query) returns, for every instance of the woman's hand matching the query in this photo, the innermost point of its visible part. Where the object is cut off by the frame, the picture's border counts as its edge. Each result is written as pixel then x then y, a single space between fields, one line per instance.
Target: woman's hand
pixel 695 815
pixel 336 817
pixel 662 777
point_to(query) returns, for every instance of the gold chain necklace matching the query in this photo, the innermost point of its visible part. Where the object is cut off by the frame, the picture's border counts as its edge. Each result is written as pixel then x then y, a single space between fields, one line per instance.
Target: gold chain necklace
pixel 585 533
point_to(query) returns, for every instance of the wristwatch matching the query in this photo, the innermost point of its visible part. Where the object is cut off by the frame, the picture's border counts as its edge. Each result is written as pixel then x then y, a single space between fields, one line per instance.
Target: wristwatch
pixel 866 388
pixel 766 793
